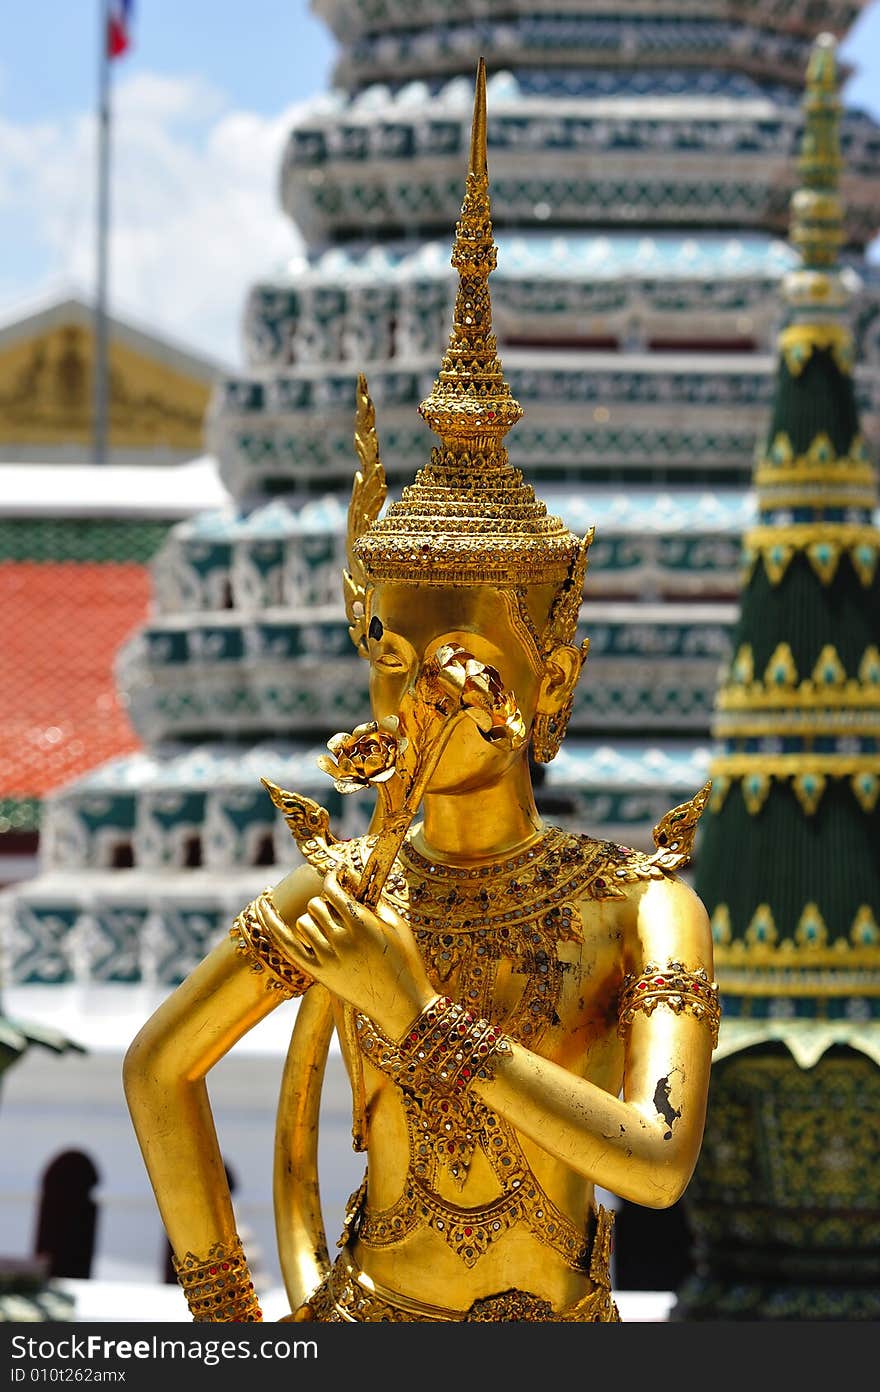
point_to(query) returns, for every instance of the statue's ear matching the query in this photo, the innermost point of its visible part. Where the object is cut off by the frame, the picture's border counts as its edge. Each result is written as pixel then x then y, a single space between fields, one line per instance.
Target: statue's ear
pixel 562 667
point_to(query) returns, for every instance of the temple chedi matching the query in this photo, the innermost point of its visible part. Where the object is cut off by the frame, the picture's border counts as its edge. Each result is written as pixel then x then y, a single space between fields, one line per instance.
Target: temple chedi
pixel 642 163
pixel 785 1204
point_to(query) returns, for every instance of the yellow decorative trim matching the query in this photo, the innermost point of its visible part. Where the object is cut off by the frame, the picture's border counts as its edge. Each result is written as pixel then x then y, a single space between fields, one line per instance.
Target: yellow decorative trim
pixel 828 686
pixel 808 774
pixel 815 474
pixel 742 666
pixel 808 789
pixel 818 980
pixel 864 562
pixel 797 723
pixel 798 342
pixel 736 766
pixel 776 553
pixel 824 557
pixel 809 948
pixel 776 547
pixel 762 928
pixel 811 930
pixel 864 931
pixel 720 788
pixel 818 496
pixel 781 670
pixel 720 924
pixel 828 669
pixel 787 765
pixel 755 790
pixel 869 667
pixel 866 787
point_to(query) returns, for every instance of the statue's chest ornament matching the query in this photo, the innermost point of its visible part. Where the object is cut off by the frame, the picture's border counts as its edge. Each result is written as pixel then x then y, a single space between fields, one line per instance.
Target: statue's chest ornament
pixel 467 922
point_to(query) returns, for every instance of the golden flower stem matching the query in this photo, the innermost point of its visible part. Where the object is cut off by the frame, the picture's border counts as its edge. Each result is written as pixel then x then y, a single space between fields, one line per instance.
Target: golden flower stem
pixel 395 824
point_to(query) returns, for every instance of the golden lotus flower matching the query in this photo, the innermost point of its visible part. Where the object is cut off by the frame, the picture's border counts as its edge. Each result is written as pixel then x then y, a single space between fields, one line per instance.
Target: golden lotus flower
pixel 479 688
pixel 368 755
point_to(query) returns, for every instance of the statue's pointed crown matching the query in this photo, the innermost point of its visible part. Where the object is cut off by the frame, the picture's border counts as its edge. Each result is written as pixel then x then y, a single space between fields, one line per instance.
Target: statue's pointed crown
pixel 469 518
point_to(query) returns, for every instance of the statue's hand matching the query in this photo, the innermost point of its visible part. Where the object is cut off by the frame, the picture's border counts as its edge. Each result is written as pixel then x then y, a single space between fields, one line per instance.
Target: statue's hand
pixel 367 957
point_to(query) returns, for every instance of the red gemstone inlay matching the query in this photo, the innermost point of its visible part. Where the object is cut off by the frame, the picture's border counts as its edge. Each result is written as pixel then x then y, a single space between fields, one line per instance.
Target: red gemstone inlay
pixel 468 1231
pixel 643 985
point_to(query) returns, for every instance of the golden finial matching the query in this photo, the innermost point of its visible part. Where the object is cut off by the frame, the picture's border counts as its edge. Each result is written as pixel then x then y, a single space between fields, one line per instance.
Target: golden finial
pixel 470 397
pixel 816 212
pixel 470 518
pixel 479 163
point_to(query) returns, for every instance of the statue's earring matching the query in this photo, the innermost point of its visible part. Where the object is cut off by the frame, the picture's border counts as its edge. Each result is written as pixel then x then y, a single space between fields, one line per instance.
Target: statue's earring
pixel 546 737
pixel 548 730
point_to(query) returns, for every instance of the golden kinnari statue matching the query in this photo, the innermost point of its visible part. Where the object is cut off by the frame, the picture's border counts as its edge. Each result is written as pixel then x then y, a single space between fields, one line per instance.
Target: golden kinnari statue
pixel 524 1013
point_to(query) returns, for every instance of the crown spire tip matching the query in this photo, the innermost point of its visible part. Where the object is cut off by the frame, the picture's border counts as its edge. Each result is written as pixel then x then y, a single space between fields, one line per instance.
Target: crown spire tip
pixel 478 160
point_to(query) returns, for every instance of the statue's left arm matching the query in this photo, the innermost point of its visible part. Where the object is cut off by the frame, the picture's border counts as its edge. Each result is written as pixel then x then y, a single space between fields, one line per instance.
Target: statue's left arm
pixel 164 1075
pixel 643 1145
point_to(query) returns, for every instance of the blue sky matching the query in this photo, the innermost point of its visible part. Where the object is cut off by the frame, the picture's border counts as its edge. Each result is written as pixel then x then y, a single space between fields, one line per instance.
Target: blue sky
pixel 262 54
pixel 203 103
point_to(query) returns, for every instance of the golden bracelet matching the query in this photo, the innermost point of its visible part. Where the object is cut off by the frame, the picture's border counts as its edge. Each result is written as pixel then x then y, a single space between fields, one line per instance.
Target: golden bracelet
pixel 672 985
pixel 255 934
pixel 444 1050
pixel 218 1288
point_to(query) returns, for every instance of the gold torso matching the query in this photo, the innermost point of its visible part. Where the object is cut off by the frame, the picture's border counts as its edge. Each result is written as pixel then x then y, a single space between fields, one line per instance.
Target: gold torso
pixel 456 1200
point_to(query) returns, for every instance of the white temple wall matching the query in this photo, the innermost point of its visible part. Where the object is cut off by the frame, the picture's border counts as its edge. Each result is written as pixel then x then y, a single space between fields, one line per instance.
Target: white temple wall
pixel 52 1103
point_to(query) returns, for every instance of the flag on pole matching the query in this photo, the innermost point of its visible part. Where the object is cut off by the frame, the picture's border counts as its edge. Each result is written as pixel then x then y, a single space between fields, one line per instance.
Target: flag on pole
pixel 119 27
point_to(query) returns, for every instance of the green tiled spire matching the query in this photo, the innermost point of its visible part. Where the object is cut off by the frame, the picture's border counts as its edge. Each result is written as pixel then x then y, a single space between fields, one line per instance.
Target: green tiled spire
pixel 784 1205
pixel 789 865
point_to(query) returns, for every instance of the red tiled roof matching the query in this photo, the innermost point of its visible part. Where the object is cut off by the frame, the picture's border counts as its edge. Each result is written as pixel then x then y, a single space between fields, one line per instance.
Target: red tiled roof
pixel 62 626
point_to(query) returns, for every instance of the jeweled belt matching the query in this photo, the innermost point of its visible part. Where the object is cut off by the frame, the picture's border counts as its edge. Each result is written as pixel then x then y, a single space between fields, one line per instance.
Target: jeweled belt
pixel 348 1296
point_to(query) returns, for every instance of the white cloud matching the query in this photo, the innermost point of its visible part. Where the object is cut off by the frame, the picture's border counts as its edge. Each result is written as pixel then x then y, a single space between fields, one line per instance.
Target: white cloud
pixel 195 212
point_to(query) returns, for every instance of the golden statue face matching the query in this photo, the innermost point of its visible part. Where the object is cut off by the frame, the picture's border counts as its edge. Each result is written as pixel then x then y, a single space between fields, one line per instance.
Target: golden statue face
pixel 407 623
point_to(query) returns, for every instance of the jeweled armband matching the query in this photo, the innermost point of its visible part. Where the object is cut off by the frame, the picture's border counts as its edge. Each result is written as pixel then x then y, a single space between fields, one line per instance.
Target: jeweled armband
pixel 445 1049
pixel 672 985
pixel 255 933
pixel 218 1288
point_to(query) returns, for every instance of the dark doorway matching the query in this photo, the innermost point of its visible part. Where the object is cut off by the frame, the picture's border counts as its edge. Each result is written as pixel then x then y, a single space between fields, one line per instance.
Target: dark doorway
pixel 68 1215
pixel 652 1247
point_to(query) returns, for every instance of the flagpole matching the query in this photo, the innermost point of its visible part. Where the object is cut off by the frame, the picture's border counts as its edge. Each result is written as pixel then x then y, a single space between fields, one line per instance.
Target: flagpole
pixel 101 393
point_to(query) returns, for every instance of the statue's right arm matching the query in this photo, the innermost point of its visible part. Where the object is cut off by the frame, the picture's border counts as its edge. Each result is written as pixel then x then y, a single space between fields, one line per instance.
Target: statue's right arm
pixel 164 1078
